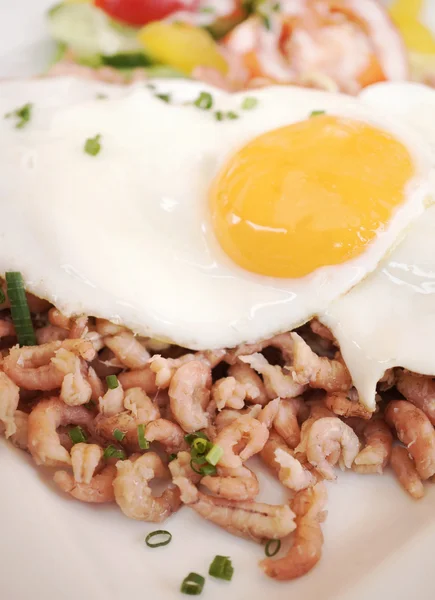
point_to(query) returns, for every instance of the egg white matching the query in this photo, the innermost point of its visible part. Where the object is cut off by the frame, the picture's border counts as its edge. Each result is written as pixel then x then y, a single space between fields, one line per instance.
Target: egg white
pixel 126 235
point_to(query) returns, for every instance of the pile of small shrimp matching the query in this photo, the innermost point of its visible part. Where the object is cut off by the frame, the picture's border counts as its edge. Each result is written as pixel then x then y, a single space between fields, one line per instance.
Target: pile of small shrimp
pixel 288 400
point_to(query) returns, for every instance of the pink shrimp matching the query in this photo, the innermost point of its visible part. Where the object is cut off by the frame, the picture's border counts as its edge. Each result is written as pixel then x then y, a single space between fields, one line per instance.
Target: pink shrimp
pixel 128 350
pixel 189 393
pixel 252 383
pixel 416 432
pixel 50 333
pixel 405 471
pixel 321 330
pixel 276 382
pixel 247 430
pixel 345 406
pixel 306 550
pixel 286 421
pixel 318 371
pixel 169 434
pixel 239 484
pixel 7 329
pixel 99 490
pixel 282 342
pixel 420 390
pixel 9 398
pixel 43 439
pixel 227 392
pixel 31 367
pixel 143 378
pixel 375 456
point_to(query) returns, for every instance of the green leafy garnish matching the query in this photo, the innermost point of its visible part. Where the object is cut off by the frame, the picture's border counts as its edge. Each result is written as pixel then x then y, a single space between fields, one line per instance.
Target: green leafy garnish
pixel 23 115
pixel 93 145
pixel 113 452
pixel 204 101
pixel 249 103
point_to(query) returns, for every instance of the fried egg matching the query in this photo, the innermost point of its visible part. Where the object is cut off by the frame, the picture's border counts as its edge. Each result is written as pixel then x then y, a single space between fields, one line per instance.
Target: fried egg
pixel 388 320
pixel 204 225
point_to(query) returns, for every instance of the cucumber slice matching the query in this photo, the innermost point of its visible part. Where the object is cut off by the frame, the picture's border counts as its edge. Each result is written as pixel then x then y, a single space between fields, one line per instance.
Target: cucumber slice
pixel 88 31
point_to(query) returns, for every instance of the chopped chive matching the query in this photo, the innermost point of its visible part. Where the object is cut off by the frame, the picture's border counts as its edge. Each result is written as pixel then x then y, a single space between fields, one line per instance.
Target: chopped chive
pixel 164 97
pixel 143 442
pixel 23 115
pixel 113 452
pixel 92 145
pixel 172 457
pixel 214 455
pixel 316 113
pixel 191 437
pixel 249 103
pixel 232 115
pixel 193 584
pixel 204 468
pixel 272 547
pixel 112 382
pixel 118 435
pixel 219 115
pixel 159 532
pixel 101 96
pixel 20 309
pixel 200 446
pixel 204 101
pixel 221 568
pixel 77 435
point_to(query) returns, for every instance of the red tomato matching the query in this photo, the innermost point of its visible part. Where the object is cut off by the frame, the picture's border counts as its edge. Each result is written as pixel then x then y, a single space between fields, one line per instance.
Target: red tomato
pixel 141 12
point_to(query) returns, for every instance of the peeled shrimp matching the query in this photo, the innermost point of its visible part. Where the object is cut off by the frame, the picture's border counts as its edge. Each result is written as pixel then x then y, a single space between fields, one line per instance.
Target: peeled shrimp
pixel 97 387
pixel 306 549
pixel 112 402
pixel 19 438
pixel 143 378
pixel 252 383
pixel 76 326
pixel 247 430
pixel 343 405
pixel 141 405
pixel 229 415
pixel 189 394
pixel 169 434
pixel 126 422
pixel 282 342
pixel 85 458
pixel 318 371
pixel 420 390
pixel 286 421
pixel 105 328
pixel 50 333
pixel 31 367
pixel 404 468
pixel 43 439
pixel 375 456
pixel 75 389
pixel 128 350
pixel 7 329
pixel 318 410
pixel 164 368
pixel 269 413
pixel 328 437
pixel 133 494
pixel 233 484
pixel 97 491
pixel 276 382
pixel 416 432
pixel 9 398
pixel 180 467
pixel 278 457
pixel 251 520
pixel 228 393
pixel 321 330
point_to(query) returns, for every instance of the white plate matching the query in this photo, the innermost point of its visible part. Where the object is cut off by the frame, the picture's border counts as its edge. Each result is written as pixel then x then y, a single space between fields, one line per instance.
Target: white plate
pixel 378 542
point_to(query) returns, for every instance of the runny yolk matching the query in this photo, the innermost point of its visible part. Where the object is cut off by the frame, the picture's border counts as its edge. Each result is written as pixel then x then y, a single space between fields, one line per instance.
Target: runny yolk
pixel 307 195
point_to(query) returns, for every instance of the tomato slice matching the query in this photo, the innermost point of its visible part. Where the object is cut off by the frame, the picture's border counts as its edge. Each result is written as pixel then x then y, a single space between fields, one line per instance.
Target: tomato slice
pixel 141 12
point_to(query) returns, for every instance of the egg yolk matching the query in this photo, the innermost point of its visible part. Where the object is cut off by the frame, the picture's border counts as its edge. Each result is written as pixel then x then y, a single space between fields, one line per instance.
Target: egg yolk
pixel 307 195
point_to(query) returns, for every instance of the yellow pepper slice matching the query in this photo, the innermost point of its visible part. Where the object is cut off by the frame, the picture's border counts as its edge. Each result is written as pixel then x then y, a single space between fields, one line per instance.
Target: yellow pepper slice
pixel 181 46
pixel 406 15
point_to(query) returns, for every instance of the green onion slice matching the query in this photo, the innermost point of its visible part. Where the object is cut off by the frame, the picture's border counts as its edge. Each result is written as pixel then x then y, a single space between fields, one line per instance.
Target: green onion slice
pixel 22 115
pixel 172 457
pixel 272 547
pixel 164 97
pixel 112 382
pixel 143 442
pixel 193 584
pixel 249 103
pixel 93 145
pixel 316 113
pixel 191 437
pixel 200 445
pixel 214 455
pixel 113 452
pixel 77 435
pixel 232 115
pixel 204 468
pixel 221 568
pixel 20 309
pixel 204 101
pixel 167 537
pixel 118 435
